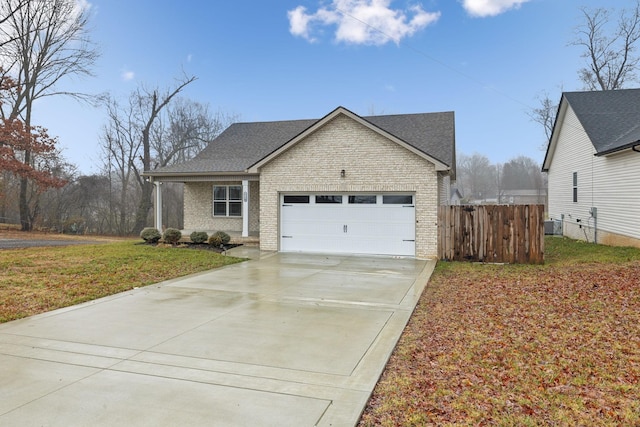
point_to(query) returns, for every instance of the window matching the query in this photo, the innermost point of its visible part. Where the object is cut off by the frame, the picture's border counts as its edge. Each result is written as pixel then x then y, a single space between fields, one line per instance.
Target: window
pixel 362 200
pixel 227 200
pixel 328 199
pixel 296 199
pixel 397 200
pixel 575 187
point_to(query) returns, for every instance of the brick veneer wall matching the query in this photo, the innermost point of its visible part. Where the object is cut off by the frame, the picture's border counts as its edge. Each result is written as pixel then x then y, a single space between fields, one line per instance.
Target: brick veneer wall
pixel 372 163
pixel 198 208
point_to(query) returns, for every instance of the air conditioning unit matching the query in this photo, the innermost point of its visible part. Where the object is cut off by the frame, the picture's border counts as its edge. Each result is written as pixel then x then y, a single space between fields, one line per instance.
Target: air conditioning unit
pixel 553 227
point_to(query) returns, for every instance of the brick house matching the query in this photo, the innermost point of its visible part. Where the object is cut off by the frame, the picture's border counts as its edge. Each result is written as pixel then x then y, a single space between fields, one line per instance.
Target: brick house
pixel 339 184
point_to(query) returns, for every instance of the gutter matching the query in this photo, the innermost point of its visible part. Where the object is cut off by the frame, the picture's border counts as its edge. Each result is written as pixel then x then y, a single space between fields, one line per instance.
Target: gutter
pixel 633 146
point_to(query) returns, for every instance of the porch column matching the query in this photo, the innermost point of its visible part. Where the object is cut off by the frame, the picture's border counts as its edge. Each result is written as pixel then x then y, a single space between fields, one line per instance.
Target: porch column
pixel 245 208
pixel 158 205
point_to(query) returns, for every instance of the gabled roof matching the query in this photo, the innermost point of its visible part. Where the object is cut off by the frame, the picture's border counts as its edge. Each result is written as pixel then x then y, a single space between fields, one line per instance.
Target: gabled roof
pixel 246 146
pixel 611 119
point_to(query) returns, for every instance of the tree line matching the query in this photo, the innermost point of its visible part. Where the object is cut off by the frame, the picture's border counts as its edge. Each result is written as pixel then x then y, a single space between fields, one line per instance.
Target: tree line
pixel 481 181
pixel 45 43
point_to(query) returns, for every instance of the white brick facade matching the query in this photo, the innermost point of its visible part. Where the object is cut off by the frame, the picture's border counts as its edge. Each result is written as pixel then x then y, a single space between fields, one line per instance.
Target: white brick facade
pixel 372 163
pixel 198 208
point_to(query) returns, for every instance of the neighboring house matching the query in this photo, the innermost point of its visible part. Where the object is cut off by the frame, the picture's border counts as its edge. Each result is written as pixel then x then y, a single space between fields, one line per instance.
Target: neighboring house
pixel 341 184
pixel 593 162
pixel 455 198
pixel 524 197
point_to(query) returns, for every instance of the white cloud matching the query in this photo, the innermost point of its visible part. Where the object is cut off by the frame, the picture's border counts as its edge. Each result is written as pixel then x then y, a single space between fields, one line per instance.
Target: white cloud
pixel 127 75
pixel 369 22
pixel 189 57
pixel 81 6
pixel 483 8
pixel 299 22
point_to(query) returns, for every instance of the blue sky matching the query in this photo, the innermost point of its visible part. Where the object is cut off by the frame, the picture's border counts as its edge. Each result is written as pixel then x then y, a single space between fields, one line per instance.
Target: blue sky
pixel 487 60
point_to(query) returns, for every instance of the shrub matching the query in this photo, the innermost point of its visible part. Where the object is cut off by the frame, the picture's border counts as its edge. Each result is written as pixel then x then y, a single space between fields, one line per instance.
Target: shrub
pixel 219 238
pixel 150 235
pixel 171 235
pixel 199 237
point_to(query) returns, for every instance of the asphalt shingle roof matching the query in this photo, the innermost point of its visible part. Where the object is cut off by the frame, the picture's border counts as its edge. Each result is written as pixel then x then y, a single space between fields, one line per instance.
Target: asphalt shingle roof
pixel 611 118
pixel 242 145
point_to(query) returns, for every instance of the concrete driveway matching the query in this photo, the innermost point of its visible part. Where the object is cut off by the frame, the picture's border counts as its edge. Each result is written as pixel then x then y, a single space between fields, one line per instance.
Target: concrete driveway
pixel 281 340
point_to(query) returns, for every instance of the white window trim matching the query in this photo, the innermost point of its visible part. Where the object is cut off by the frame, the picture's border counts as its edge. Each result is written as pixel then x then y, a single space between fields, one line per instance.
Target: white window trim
pixel 226 201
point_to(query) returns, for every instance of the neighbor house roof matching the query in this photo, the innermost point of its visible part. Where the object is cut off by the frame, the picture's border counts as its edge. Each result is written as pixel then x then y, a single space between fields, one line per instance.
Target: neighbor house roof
pixel 244 145
pixel 611 119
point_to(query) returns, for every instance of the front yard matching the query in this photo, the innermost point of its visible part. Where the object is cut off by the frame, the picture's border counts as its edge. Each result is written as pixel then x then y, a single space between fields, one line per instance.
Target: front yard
pixel 36 280
pixel 557 344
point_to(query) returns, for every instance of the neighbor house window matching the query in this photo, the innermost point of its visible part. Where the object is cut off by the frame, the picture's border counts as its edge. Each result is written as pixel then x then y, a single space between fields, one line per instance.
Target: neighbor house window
pixel 227 200
pixel 575 187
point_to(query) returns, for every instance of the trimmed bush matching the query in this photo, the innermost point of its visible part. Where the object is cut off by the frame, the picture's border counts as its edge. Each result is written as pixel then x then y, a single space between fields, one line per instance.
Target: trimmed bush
pixel 199 237
pixel 150 235
pixel 172 235
pixel 219 238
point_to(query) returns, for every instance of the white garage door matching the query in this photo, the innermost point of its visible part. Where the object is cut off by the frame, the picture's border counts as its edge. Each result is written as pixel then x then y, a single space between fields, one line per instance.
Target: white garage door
pixel 348 223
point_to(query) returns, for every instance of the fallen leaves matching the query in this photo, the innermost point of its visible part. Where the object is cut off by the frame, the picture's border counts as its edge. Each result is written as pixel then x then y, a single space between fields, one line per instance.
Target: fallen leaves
pixel 520 345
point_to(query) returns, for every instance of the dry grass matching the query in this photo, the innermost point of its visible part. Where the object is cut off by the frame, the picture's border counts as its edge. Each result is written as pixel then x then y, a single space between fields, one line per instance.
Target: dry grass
pixel 557 344
pixel 36 280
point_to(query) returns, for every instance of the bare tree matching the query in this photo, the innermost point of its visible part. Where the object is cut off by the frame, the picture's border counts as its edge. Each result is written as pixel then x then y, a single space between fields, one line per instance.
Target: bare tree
pixel 522 173
pixel 545 115
pixel 44 41
pixel 8 8
pixel 184 130
pixel 151 104
pixel 476 176
pixel 610 52
pixel 120 145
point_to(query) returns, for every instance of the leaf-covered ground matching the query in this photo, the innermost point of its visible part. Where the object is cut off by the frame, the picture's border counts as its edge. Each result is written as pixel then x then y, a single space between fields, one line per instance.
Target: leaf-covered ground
pixel 36 280
pixel 557 344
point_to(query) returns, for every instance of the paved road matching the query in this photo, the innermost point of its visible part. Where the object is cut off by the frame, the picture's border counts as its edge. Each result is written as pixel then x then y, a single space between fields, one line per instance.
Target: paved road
pixel 34 243
pixel 282 340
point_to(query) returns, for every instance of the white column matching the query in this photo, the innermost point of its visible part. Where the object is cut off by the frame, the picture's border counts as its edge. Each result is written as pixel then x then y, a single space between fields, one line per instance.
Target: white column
pixel 158 205
pixel 245 208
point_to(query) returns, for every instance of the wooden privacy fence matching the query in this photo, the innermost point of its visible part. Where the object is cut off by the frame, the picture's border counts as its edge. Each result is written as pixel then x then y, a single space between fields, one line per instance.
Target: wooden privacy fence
pixel 492 233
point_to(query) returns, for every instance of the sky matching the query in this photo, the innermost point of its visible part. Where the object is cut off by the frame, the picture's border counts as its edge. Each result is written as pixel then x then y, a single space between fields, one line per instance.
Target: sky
pixel 489 61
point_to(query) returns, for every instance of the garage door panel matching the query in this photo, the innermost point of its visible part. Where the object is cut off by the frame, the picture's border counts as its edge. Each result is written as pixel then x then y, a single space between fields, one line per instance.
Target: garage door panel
pixel 386 229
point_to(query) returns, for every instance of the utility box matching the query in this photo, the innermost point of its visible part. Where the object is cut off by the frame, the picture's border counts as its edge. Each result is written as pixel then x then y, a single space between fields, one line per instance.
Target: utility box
pixel 548 227
pixel 553 227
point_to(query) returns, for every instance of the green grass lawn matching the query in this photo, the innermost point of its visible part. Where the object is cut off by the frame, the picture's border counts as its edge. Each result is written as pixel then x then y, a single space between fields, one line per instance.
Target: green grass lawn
pixel 36 280
pixel 519 345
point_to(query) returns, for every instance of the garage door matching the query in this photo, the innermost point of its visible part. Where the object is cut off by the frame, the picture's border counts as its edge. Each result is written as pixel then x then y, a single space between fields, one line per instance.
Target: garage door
pixel 382 224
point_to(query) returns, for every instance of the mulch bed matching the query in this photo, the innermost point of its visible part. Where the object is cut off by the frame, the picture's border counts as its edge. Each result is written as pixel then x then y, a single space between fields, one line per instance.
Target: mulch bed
pixel 197 246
